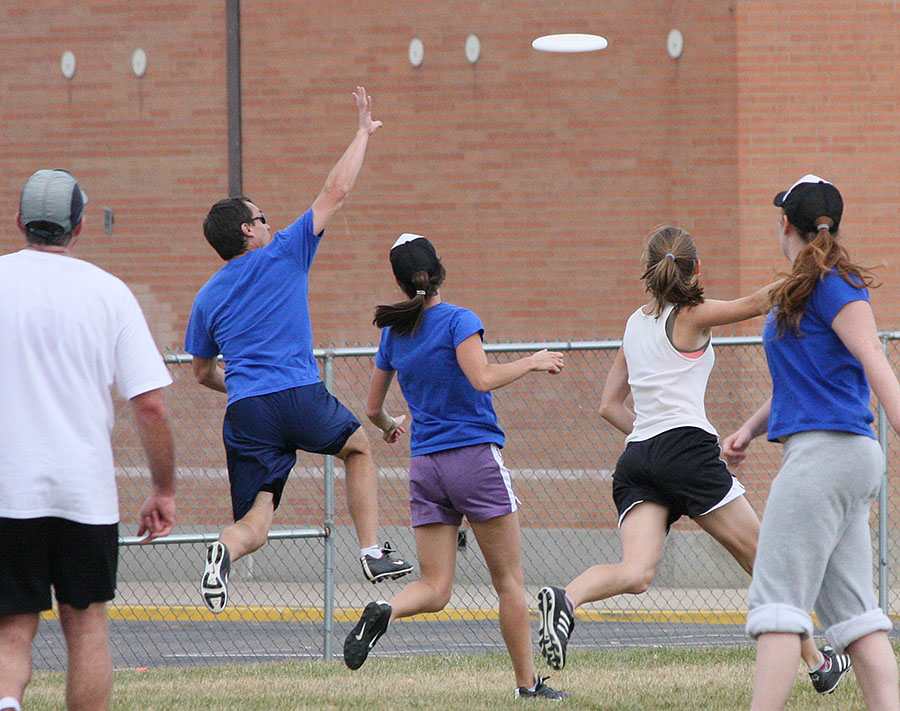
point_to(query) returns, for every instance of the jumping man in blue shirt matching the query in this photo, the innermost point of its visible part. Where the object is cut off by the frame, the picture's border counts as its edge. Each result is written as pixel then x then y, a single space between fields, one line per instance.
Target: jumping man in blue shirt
pixel 254 313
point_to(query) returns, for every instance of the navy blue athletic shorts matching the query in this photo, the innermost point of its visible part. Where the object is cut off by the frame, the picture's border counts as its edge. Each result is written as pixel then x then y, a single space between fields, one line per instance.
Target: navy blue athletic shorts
pixel 77 560
pixel 263 433
pixel 680 468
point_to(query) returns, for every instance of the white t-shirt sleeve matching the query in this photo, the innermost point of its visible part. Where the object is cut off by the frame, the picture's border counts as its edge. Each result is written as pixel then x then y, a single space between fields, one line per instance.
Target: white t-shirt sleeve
pixel 139 367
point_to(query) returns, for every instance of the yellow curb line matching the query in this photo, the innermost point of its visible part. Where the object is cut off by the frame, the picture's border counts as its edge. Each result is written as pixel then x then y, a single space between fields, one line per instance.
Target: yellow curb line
pixel 259 613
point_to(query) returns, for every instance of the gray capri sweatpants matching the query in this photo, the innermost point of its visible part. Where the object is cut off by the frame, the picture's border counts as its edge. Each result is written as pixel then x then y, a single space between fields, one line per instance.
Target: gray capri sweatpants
pixel 815 550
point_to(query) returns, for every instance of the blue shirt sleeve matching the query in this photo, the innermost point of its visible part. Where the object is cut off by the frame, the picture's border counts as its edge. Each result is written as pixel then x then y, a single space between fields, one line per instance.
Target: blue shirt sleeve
pixel 464 325
pixel 198 341
pixel 834 293
pixel 298 240
pixel 383 354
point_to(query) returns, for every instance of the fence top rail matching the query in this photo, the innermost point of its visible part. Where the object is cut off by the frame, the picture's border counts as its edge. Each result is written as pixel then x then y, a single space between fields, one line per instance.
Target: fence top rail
pixel 181 538
pixel 358 351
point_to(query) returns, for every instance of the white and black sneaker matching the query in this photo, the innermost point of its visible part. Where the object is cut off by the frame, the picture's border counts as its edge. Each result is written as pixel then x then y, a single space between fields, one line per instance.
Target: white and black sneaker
pixel 372 624
pixel 378 569
pixel 541 691
pixel 214 586
pixel 557 623
pixel 826 680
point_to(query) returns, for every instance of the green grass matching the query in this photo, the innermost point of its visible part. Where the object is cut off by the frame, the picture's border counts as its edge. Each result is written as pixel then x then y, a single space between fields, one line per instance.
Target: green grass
pixel 621 680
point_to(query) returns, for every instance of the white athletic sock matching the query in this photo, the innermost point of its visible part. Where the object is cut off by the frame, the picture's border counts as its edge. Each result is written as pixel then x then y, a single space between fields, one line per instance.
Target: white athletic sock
pixel 8 702
pixel 824 666
pixel 371 551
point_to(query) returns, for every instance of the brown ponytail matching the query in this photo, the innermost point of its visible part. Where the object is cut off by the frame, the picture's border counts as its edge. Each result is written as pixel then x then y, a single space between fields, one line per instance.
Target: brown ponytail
pixel 816 259
pixel 405 317
pixel 670 269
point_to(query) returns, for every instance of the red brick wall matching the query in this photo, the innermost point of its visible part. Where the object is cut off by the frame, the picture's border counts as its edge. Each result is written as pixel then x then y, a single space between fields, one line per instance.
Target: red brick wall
pixel 817 85
pixel 536 175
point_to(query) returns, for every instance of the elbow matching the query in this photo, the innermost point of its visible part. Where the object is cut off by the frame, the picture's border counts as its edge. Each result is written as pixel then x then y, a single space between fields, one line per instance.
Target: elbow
pixel 606 411
pixel 150 405
pixel 481 385
pixel 336 193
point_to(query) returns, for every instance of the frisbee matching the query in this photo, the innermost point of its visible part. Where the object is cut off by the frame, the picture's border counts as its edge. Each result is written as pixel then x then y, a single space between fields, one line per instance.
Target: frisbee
pixel 570 43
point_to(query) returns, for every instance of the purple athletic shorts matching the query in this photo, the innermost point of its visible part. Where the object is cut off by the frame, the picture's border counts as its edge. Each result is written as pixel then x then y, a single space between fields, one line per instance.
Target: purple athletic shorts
pixel 465 481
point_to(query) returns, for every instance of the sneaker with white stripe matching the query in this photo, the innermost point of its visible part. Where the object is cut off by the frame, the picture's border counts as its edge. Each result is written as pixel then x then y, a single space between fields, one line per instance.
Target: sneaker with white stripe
pixel 826 681
pixel 557 623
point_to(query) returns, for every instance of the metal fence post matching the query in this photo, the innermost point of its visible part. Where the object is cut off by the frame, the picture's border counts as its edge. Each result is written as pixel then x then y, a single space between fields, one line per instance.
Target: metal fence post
pixel 328 612
pixel 883 543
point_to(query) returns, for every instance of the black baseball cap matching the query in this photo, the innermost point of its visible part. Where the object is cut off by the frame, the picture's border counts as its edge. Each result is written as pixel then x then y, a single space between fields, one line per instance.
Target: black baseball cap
pixel 808 199
pixel 413 253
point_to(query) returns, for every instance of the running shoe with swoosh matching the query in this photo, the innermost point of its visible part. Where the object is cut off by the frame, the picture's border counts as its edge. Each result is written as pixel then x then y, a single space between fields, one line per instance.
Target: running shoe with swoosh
pixel 372 624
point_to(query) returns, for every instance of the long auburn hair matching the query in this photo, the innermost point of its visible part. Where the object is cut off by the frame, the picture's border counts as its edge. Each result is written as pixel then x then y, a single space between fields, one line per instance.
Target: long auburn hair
pixel 670 261
pixel 820 254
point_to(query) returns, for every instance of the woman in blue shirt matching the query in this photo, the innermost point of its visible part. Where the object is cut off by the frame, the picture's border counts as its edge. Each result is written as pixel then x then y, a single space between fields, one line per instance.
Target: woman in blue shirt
pixel 814 548
pixel 456 469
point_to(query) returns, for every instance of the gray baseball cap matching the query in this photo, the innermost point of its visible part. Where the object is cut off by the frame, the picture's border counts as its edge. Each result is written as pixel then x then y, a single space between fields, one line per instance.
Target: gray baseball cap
pixel 51 203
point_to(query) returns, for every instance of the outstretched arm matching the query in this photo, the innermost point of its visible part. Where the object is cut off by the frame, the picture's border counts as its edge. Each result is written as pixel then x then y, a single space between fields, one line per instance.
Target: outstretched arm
pixel 341 178
pixel 485 376
pixel 714 312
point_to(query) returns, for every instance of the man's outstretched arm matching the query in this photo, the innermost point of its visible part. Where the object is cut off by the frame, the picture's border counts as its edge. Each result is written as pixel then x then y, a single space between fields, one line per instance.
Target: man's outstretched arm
pixel 341 178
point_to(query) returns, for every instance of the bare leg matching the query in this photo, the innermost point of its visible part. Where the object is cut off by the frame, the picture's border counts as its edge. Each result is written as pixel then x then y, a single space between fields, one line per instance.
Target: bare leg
pixel 16 635
pixel 250 532
pixel 362 487
pixel 436 551
pixel 777 655
pixel 736 526
pixel 89 677
pixel 500 542
pixel 643 533
pixel 876 671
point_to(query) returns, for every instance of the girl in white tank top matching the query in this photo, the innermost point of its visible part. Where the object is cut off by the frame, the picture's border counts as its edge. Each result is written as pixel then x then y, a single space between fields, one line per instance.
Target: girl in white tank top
pixel 664 364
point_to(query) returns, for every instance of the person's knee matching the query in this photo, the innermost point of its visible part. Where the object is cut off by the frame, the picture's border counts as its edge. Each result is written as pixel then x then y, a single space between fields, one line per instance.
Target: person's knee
pixel 638 580
pixel 356 445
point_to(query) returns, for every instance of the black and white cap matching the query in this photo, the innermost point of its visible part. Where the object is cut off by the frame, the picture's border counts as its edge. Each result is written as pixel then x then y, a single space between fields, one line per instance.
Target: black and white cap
pixel 808 199
pixel 51 203
pixel 413 253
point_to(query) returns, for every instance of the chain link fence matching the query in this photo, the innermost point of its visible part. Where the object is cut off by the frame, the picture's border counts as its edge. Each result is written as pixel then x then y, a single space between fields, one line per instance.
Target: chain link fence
pixel 300 594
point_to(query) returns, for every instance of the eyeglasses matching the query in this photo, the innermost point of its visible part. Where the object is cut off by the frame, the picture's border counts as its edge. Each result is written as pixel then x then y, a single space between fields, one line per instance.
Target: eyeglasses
pixel 261 217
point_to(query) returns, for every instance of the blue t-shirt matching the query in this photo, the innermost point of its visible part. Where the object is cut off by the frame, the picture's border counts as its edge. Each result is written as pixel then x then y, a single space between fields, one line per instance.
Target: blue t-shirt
pixel 447 412
pixel 817 384
pixel 254 312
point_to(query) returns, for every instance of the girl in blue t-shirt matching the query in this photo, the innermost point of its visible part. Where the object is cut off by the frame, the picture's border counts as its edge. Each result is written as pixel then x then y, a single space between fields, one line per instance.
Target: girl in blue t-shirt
pixel 456 469
pixel 814 548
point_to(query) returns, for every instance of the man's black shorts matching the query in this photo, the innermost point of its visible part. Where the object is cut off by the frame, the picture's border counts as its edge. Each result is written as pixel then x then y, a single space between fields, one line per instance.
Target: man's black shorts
pixel 78 560
pixel 681 469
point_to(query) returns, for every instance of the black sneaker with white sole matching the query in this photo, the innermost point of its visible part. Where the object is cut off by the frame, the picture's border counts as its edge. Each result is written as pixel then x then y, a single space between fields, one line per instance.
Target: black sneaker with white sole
pixel 557 622
pixel 372 624
pixel 826 681
pixel 214 585
pixel 541 691
pixel 385 567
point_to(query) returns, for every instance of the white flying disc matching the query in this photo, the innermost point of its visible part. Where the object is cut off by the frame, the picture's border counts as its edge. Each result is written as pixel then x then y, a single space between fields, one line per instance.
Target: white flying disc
pixel 570 43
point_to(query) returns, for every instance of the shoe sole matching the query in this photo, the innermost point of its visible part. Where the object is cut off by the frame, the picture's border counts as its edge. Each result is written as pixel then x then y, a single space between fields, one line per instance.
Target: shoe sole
pixel 356 647
pixel 212 587
pixel 391 574
pixel 550 646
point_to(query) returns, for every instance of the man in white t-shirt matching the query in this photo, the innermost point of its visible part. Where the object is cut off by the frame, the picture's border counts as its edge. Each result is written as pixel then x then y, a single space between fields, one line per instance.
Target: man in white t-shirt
pixel 68 332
